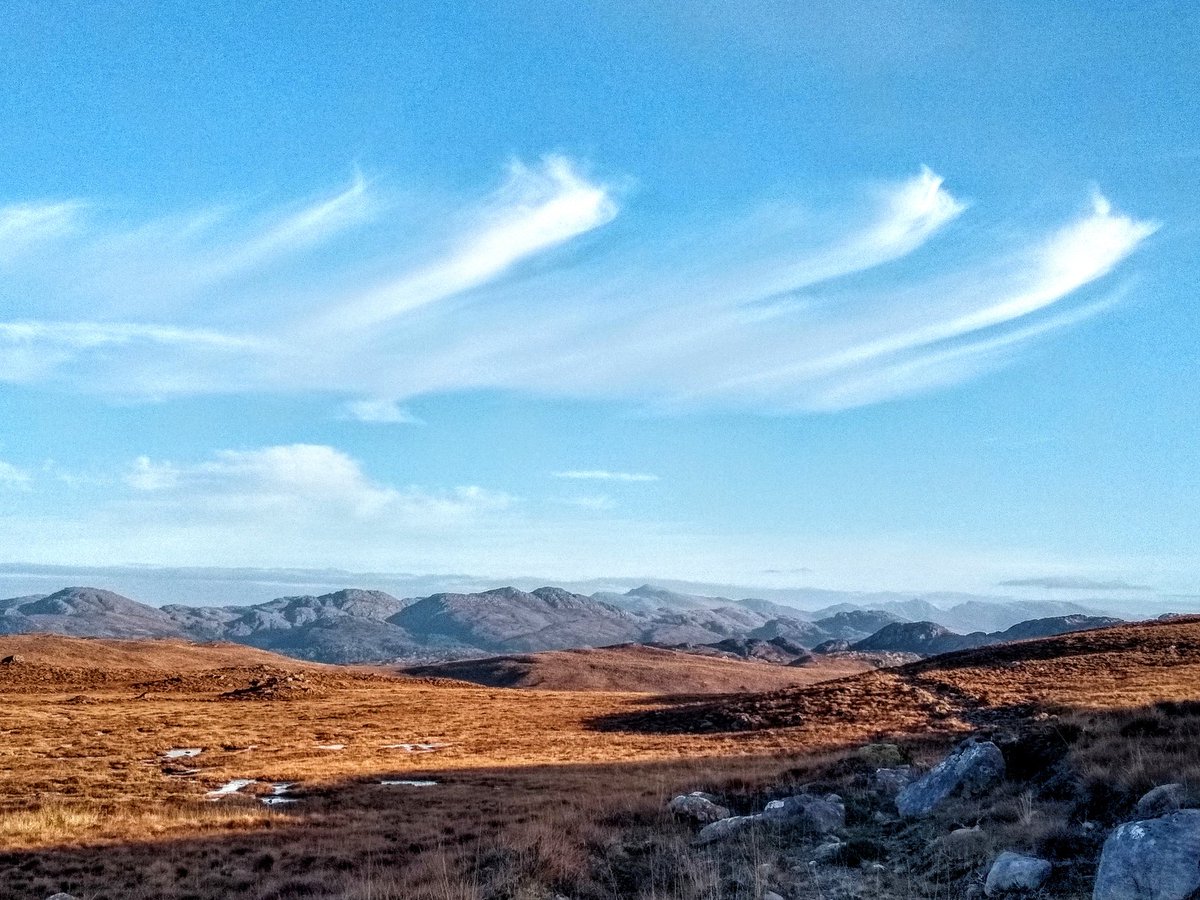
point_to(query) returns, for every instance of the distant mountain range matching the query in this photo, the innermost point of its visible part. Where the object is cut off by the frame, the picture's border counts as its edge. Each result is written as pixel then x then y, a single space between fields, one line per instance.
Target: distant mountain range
pixel 354 625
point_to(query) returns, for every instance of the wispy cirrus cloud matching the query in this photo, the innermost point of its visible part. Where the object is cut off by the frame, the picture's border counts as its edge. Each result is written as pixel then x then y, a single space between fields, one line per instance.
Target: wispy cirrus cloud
pixel 25 225
pixel 786 310
pixel 537 209
pixel 387 412
pixel 604 475
pixel 13 477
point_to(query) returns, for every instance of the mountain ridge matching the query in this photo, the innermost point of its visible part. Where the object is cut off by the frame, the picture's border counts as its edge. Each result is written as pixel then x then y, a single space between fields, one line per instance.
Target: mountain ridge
pixel 359 625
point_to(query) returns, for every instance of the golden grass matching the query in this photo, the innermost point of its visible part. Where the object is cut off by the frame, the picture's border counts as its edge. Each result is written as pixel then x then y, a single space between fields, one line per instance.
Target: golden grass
pixel 540 791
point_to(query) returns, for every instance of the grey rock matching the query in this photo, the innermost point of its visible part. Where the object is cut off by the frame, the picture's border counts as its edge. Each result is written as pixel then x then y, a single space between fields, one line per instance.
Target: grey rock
pixel 1152 859
pixel 822 814
pixel 972 768
pixel 724 829
pixel 697 808
pixel 827 852
pixel 62 896
pixel 1160 801
pixel 771 895
pixel 1016 873
pixel 892 781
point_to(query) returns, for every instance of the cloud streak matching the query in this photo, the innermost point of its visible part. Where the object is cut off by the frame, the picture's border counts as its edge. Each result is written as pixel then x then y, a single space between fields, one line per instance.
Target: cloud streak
pixel 1075 583
pixel 787 310
pixel 604 475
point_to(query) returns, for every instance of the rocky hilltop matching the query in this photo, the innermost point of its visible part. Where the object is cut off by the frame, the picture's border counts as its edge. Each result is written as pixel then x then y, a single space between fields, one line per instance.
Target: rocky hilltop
pixel 355 625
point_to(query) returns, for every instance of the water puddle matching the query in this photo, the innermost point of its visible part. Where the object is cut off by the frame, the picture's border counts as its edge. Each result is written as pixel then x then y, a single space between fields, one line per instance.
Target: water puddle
pixel 411 783
pixel 415 748
pixel 229 788
pixel 331 746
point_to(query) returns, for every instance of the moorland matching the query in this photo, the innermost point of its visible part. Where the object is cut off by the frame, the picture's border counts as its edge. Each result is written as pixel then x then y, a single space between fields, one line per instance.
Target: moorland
pixel 165 768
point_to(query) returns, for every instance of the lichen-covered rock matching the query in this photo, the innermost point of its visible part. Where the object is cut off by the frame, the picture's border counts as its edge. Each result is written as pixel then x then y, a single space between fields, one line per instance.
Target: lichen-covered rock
pixel 821 814
pixel 1016 873
pixel 698 808
pixel 1160 801
pixel 724 829
pixel 892 781
pixel 828 852
pixel 972 768
pixel 1151 859
pixel 881 755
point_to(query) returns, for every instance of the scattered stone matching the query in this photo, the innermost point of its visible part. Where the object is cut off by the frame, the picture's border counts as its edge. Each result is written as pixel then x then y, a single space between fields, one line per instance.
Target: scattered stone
pixel 1160 801
pixel 723 829
pixel 821 814
pixel 12 661
pixel 892 781
pixel 697 808
pixel 958 835
pixel 882 756
pixel 972 768
pixel 828 852
pixel 1152 859
pixel 1015 873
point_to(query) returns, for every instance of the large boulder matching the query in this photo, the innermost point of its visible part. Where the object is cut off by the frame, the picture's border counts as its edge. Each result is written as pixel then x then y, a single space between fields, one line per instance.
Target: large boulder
pixel 698 808
pixel 723 829
pixel 1014 873
pixel 1160 801
pixel 891 782
pixel 1151 859
pixel 973 767
pixel 821 814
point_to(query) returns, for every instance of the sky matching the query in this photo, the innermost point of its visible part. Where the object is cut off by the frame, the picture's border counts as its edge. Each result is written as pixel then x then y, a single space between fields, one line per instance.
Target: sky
pixel 899 298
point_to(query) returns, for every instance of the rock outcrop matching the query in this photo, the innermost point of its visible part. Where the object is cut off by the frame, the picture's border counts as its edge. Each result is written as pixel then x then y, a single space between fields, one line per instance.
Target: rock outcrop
pixel 1160 801
pixel 972 768
pixel 1151 859
pixel 697 807
pixel 821 814
pixel 1015 873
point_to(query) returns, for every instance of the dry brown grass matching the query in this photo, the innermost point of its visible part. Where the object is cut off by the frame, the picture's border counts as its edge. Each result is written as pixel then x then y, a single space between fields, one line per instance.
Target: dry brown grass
pixel 544 791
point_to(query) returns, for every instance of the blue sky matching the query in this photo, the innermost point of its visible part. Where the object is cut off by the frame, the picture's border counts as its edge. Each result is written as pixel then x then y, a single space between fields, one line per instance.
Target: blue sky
pixel 903 298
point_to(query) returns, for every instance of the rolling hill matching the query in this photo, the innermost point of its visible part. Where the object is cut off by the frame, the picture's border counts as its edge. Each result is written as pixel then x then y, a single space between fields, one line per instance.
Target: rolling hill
pixel 636 667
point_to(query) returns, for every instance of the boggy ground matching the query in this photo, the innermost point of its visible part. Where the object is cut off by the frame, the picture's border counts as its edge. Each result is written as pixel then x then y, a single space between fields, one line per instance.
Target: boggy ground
pixel 560 792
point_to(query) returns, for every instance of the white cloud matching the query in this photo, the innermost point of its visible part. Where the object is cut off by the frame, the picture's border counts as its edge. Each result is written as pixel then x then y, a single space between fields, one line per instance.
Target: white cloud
pixel 783 310
pixel 300 479
pixel 593 502
pixel 88 335
pixel 604 475
pixel 25 225
pixel 13 477
pixel 536 210
pixel 381 411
